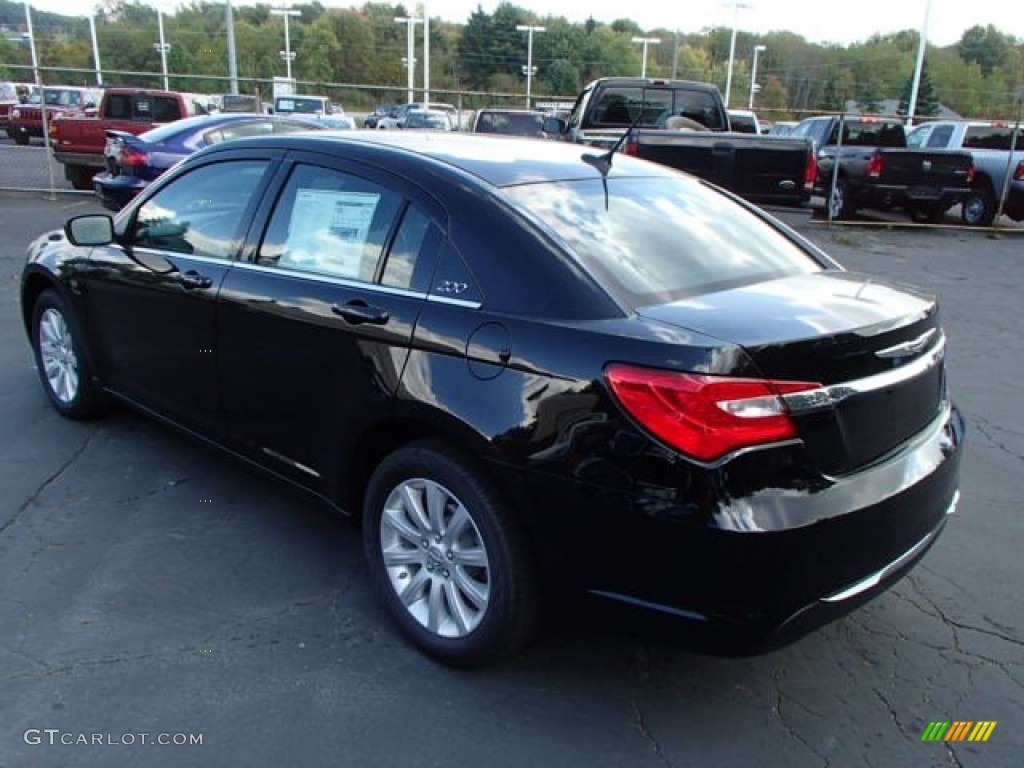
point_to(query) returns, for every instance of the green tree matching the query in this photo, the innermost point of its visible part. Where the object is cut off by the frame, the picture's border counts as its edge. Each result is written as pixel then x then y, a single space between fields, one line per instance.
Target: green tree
pixel 927 103
pixel 985 46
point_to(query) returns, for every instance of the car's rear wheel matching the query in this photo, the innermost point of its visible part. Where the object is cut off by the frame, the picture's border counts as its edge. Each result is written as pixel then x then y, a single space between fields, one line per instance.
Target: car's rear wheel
pixel 61 360
pixel 979 208
pixel 839 201
pixel 21 139
pixel 448 559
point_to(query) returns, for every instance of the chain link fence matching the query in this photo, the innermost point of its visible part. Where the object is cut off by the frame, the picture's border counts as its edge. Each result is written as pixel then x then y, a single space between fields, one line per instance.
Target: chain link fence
pixel 32 167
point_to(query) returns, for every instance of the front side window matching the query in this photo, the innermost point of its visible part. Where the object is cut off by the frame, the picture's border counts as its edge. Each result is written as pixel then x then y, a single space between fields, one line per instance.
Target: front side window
pixel 331 223
pixel 200 213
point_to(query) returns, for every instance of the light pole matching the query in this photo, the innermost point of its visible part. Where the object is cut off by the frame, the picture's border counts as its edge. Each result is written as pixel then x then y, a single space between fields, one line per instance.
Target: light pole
pixel 922 43
pixel 286 54
pixel 95 49
pixel 426 57
pixel 529 69
pixel 410 58
pixel 162 47
pixel 646 41
pixel 753 74
pixel 736 5
pixel 229 23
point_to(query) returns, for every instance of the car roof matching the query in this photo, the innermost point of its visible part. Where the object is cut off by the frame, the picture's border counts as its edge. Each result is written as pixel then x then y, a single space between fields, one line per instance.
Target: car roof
pixel 496 160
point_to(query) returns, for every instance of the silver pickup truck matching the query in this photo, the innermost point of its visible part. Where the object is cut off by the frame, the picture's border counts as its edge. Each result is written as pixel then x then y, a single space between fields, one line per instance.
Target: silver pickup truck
pixel 998 171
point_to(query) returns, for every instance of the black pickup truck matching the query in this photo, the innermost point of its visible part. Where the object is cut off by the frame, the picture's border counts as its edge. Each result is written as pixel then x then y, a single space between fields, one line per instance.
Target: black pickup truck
pixel 876 170
pixel 684 125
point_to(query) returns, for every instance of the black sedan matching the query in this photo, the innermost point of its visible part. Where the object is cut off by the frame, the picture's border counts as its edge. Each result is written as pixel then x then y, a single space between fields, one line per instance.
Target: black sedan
pixel 530 374
pixel 132 162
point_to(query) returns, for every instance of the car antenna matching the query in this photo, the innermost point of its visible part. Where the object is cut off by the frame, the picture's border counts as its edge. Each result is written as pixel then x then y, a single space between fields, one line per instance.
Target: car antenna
pixel 603 162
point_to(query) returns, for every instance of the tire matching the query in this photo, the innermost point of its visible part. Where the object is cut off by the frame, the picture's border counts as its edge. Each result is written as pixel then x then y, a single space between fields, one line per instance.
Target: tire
pixel 61 359
pixel 979 208
pixel 839 201
pixel 447 558
pixel 934 213
pixel 21 139
pixel 80 176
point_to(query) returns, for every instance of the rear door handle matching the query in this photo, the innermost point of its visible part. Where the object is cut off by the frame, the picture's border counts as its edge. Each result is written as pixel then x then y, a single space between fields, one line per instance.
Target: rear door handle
pixel 192 280
pixel 357 312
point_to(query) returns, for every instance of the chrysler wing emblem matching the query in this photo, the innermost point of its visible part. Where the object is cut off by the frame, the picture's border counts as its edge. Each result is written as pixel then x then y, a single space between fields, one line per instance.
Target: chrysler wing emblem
pixel 907 348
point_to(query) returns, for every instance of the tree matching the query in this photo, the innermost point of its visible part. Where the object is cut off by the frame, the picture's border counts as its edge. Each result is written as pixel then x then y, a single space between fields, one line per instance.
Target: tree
pixel 985 46
pixel 927 104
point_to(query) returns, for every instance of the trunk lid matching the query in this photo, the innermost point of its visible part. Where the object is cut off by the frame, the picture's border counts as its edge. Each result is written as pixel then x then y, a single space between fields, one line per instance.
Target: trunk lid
pixel 875 347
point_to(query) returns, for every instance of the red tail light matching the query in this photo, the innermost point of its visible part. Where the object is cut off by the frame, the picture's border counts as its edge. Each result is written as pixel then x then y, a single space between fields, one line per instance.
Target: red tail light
pixel 970 174
pixel 705 417
pixel 810 170
pixel 132 158
pixel 1018 175
pixel 876 166
pixel 632 146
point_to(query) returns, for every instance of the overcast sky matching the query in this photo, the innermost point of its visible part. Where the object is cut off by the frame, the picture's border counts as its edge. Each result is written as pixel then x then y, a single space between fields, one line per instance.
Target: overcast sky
pixel 818 21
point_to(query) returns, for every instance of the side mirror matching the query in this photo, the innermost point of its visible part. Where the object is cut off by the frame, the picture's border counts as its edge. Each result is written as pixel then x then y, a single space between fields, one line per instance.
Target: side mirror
pixel 91 229
pixel 555 125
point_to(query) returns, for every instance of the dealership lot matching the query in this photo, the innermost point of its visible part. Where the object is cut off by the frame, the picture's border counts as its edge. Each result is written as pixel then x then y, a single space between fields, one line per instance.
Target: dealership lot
pixel 150 585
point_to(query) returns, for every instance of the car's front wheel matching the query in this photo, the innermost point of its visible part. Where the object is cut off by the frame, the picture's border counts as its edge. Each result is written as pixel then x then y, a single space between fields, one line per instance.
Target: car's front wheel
pixel 60 359
pixel 448 559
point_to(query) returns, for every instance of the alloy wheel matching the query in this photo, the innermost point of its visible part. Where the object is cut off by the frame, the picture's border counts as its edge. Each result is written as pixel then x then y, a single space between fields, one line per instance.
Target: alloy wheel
pixel 57 355
pixel 435 558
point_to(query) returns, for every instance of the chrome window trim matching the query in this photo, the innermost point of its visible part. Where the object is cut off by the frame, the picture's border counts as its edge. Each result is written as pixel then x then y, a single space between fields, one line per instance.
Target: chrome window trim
pixel 434 298
pixel 357 284
pixel 341 282
pixel 169 255
pixel 830 396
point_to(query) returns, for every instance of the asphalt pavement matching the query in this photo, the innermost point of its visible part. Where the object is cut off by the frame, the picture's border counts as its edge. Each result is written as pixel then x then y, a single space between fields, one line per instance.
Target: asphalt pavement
pixel 150 585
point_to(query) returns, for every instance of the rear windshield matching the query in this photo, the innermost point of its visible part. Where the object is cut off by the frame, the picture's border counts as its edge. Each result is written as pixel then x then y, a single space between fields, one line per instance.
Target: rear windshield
pixel 865 134
pixel 992 137
pixel 620 106
pixel 660 240
pixel 299 104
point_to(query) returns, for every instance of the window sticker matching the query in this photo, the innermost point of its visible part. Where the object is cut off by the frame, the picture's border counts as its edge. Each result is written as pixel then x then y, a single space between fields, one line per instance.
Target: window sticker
pixel 329 230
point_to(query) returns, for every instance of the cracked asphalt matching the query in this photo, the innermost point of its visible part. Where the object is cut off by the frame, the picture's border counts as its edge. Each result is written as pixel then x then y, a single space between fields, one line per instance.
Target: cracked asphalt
pixel 151 585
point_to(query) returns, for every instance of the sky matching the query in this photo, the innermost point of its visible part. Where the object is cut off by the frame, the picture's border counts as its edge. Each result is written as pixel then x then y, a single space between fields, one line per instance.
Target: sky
pixel 846 23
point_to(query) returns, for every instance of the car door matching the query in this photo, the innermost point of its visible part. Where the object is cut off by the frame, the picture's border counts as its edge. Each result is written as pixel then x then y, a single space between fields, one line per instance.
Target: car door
pixel 314 330
pixel 151 297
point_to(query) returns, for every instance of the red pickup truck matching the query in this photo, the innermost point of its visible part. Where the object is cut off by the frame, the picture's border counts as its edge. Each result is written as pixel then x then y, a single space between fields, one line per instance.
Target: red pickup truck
pixel 78 142
pixel 25 121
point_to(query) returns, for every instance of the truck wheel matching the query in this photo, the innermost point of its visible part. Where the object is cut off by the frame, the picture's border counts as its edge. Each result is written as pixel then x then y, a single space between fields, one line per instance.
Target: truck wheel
pixel 839 201
pixel 448 556
pixel 80 176
pixel 21 139
pixel 979 208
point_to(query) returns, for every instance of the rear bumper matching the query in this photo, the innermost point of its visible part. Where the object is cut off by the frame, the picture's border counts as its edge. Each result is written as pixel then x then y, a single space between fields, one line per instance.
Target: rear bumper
pixel 764 567
pixel 88 159
pixel 15 130
pixel 115 192
pixel 922 195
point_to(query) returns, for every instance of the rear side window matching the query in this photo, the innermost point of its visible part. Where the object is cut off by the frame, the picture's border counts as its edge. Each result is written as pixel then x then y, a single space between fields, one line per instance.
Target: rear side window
pixel 991 137
pixel 331 223
pixel 659 240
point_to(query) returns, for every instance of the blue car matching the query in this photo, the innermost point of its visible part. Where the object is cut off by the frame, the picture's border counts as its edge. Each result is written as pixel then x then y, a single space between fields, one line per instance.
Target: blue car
pixel 133 162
